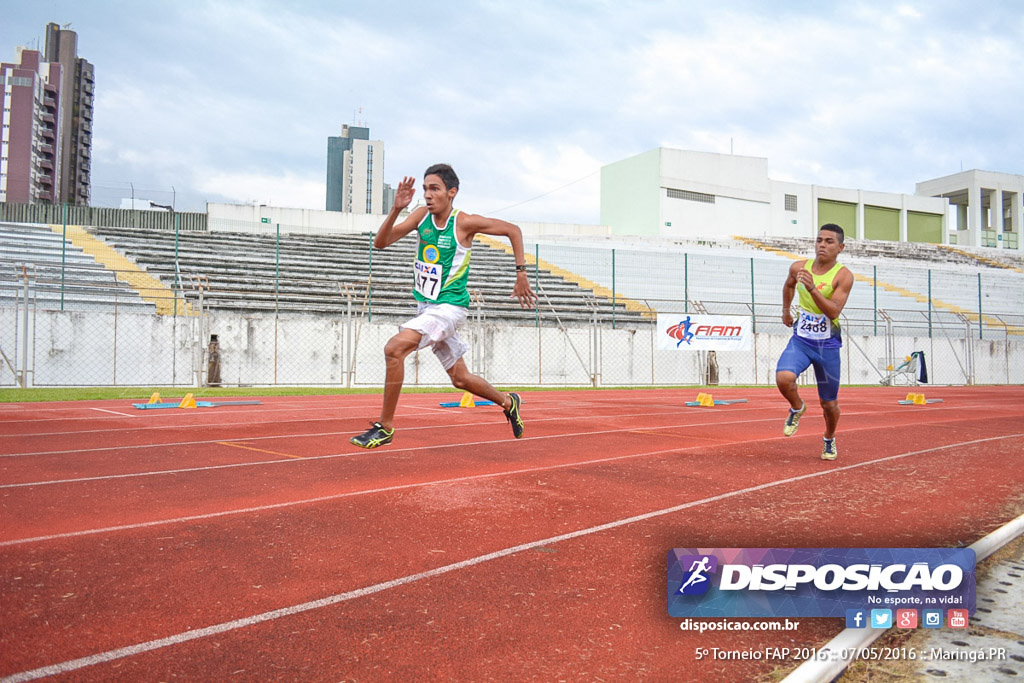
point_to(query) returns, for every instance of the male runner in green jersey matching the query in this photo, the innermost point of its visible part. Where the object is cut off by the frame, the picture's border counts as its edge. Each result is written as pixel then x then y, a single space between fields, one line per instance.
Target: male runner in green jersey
pixel 441 270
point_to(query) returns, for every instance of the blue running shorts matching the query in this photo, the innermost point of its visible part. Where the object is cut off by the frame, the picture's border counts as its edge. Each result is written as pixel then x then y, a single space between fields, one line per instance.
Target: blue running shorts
pixel 826 361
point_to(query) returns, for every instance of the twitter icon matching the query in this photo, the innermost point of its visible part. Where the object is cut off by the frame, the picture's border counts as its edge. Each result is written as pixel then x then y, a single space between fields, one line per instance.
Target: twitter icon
pixel 881 618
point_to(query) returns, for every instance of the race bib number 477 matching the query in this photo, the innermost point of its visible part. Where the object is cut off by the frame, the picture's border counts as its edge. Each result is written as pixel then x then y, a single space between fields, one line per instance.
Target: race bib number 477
pixel 428 279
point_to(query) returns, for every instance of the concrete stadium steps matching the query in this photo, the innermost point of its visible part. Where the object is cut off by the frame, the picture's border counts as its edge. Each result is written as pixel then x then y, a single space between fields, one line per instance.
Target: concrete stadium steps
pixel 61 274
pixel 240 270
pixel 149 288
pixel 573 277
pixel 32 244
pixel 903 271
pixel 723 278
pixel 1008 260
pixel 720 281
pixel 902 251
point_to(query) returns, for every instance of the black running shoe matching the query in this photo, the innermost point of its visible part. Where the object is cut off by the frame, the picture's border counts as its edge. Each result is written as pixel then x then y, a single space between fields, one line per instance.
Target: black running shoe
pixel 513 416
pixel 373 437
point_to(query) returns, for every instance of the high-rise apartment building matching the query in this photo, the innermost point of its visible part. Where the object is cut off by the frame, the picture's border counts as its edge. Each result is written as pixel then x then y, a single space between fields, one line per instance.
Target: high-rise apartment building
pixel 30 145
pixel 355 171
pixel 78 85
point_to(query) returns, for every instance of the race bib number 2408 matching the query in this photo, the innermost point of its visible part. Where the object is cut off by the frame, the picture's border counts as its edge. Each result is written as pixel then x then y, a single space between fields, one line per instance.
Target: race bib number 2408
pixel 811 326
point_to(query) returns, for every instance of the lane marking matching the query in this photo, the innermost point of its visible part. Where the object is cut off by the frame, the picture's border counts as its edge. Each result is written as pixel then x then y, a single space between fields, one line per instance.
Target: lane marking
pixel 260 463
pixel 224 627
pixel 269 408
pixel 437 409
pixel 668 409
pixel 436 482
pixel 540 398
pixel 113 412
pixel 680 436
pixel 947 409
pixel 253 438
pixel 150 427
pixel 259 450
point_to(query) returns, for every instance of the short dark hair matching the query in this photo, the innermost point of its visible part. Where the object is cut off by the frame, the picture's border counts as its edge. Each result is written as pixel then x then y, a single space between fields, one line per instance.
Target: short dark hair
pixel 445 173
pixel 832 227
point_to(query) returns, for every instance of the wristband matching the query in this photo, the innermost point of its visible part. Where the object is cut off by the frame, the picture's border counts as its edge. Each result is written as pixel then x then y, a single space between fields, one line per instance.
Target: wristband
pixel 521 269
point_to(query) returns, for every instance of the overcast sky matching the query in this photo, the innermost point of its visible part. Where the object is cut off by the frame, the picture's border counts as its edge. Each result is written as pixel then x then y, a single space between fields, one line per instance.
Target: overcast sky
pixel 234 101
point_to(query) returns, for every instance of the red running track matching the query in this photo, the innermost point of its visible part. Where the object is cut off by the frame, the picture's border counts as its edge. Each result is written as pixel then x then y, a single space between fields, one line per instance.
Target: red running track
pixel 255 543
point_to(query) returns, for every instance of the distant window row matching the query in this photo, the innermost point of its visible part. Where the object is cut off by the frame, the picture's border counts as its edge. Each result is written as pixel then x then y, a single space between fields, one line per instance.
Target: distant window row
pixel 691 196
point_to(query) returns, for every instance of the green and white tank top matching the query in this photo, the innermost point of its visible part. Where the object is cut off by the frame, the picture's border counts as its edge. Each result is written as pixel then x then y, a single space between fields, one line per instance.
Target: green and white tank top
pixel 441 269
pixel 813 325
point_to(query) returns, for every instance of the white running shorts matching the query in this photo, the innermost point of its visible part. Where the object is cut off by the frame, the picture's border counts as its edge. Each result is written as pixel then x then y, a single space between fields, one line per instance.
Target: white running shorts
pixel 439 325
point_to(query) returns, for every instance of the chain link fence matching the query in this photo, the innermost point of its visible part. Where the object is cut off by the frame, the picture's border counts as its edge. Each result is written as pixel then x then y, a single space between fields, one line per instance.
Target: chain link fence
pixel 273 307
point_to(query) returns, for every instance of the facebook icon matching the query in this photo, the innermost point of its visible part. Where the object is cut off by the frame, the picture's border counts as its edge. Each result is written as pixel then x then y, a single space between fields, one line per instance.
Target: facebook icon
pixel 856 618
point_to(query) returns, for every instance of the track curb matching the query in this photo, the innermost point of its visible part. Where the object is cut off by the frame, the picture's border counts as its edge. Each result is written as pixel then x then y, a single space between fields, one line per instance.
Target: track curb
pixel 822 670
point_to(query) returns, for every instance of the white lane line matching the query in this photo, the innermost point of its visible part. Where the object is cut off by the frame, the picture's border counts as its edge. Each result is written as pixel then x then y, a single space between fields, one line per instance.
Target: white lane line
pixel 463 444
pixel 347 494
pixel 182 427
pixel 265 409
pixel 437 482
pixel 533 404
pixel 647 413
pixel 112 412
pixel 349 432
pixel 186 636
pixel 275 407
pixel 188 413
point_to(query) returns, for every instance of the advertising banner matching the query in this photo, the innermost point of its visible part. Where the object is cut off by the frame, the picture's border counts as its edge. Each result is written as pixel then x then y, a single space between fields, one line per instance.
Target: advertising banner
pixel 694 332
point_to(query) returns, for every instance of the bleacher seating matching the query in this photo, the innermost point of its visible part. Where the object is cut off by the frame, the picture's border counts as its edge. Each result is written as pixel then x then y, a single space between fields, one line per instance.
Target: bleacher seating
pixel 310 273
pixel 248 272
pixel 907 251
pixel 663 272
pixel 60 274
pixel 913 272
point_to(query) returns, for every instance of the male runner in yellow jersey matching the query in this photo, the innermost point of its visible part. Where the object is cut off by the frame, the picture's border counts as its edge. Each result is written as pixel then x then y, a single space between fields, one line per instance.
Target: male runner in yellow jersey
pixel 823 285
pixel 440 273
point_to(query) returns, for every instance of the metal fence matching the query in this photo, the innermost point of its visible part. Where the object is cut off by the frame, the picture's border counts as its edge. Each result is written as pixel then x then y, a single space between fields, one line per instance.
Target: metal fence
pixel 286 310
pixel 124 341
pixel 65 214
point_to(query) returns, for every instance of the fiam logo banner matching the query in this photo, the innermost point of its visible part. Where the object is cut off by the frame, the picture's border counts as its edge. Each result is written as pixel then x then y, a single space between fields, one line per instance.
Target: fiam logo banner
pixel 692 332
pixel 817 582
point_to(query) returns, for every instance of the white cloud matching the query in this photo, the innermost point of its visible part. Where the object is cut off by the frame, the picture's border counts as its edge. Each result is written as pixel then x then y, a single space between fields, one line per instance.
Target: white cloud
pixel 525 99
pixel 286 189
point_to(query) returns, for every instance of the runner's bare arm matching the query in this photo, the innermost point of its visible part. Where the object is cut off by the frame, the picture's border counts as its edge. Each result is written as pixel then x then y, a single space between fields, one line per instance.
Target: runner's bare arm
pixel 789 291
pixel 471 225
pixel 841 287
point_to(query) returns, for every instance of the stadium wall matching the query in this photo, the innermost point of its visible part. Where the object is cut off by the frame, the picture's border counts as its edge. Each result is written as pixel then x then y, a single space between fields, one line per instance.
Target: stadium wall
pixel 140 349
pixel 706 195
pixel 251 218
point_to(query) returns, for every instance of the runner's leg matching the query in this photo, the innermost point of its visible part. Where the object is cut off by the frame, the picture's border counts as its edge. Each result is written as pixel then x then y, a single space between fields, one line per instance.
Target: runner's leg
pixel 395 353
pixel 465 380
